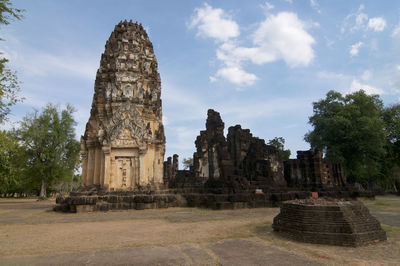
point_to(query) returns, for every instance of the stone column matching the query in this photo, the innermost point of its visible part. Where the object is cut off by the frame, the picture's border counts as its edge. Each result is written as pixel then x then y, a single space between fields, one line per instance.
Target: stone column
pixel 137 171
pixel 107 167
pixel 142 171
pixel 84 168
pixel 90 161
pixel 101 167
pixel 113 172
pixel 97 166
pixel 132 173
pixel 169 169
pixel 175 165
pixel 84 161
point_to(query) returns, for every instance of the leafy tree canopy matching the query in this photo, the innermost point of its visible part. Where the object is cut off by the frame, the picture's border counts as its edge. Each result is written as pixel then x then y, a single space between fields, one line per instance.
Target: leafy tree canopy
pixel 10 179
pixel 8 12
pixel 51 150
pixel 279 143
pixel 350 131
pixel 187 163
pixel 391 162
pixel 9 86
pixel 9 89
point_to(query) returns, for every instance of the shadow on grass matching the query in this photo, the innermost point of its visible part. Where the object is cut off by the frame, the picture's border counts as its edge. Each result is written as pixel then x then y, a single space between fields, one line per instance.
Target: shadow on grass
pixel 392 231
pixel 385 203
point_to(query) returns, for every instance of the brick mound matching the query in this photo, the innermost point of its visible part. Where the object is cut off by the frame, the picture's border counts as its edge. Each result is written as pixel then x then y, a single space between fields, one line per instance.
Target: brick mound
pixel 328 221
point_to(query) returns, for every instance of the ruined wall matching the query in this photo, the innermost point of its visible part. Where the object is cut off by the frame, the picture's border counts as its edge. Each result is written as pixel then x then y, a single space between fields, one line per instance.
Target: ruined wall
pixel 124 144
pixel 212 158
pixel 264 164
pixel 311 170
pixel 239 141
pixel 171 168
pixel 258 162
pixel 239 161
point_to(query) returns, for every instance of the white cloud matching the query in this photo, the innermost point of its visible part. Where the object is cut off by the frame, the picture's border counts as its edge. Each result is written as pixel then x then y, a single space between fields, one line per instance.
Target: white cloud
pixel 314 5
pixel 279 37
pixel 360 18
pixel 212 79
pixel 356 86
pixel 354 49
pixel 396 31
pixel 355 21
pixel 398 67
pixel 233 55
pixel 366 75
pixel 237 76
pixel 214 23
pixel 359 21
pixel 377 24
pixel 283 36
pixel 267 6
pixel 289 1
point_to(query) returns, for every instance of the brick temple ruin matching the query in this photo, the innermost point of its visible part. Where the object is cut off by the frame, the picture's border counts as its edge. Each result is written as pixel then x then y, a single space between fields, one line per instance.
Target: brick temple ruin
pixel 241 161
pixel 123 149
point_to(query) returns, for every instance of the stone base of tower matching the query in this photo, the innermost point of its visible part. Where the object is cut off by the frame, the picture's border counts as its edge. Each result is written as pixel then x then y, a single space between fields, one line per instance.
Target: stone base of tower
pixel 93 198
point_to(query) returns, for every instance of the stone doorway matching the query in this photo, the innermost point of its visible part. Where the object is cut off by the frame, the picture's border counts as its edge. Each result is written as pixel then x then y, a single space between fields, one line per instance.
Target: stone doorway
pixel 126 172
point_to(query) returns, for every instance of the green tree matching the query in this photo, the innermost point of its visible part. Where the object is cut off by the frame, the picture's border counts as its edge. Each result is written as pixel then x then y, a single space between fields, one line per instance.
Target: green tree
pixel 9 86
pixel 350 131
pixel 50 148
pixel 391 162
pixel 10 174
pixel 279 143
pixel 8 12
pixel 9 89
pixel 187 163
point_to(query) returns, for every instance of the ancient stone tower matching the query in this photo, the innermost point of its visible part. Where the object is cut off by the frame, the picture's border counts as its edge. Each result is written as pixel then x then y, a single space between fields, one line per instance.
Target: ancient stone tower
pixel 124 143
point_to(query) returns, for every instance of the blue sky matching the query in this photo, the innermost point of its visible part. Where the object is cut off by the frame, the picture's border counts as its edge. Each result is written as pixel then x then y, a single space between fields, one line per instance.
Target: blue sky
pixel 261 64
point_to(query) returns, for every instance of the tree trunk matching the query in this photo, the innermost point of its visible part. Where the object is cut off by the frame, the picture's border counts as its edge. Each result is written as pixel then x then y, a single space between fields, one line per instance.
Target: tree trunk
pixel 43 189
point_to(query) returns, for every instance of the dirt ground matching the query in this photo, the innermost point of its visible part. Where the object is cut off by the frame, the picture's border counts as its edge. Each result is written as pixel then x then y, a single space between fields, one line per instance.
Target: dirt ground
pixel 32 234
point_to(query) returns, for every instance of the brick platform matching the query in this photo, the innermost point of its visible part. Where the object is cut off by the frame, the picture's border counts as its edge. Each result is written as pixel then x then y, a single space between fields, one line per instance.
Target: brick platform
pixel 94 198
pixel 328 221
